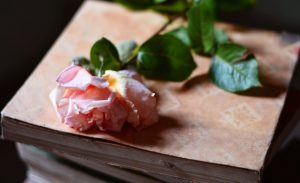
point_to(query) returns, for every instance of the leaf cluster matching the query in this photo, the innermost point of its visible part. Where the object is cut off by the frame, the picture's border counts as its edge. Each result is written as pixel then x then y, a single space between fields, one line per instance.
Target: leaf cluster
pixel 169 57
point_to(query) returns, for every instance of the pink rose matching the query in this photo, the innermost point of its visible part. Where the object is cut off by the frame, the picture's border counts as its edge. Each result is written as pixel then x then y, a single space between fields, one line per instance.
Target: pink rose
pixel 83 100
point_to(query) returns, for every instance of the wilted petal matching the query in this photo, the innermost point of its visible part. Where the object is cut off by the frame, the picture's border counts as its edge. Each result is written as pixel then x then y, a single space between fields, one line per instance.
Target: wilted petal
pixel 114 119
pixel 80 122
pixel 141 100
pixel 77 77
pixel 144 102
pixel 88 104
pixel 131 74
pixel 68 74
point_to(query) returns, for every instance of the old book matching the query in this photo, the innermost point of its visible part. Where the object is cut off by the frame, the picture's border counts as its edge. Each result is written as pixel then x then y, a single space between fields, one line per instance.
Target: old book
pixel 63 168
pixel 204 134
pixel 44 168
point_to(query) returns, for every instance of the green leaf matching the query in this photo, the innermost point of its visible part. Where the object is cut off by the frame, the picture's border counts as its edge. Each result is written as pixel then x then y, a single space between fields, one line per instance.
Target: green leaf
pixel 137 4
pixel 201 17
pixel 221 37
pixel 171 6
pixel 104 56
pixel 163 6
pixel 159 1
pixel 165 57
pixel 181 34
pixel 81 61
pixel 127 50
pixel 231 52
pixel 235 5
pixel 233 70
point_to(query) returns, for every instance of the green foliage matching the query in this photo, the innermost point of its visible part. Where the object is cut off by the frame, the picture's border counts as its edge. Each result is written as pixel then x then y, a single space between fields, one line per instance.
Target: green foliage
pixel 168 57
pixel 221 37
pixel 181 34
pixel 171 6
pixel 201 17
pixel 165 57
pixel 232 69
pixel 137 4
pixel 104 56
pixel 127 51
pixel 163 6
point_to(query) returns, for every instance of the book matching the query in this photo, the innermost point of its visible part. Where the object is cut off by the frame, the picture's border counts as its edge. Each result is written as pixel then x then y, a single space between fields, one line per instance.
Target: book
pixel 56 167
pixel 204 134
pixel 43 167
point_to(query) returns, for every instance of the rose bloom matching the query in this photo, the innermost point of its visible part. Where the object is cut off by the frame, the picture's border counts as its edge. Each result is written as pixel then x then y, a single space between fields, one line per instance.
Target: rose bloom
pixel 83 100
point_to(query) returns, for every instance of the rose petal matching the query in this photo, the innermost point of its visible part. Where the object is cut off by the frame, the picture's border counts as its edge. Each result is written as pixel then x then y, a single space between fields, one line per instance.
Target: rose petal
pixel 144 102
pixel 79 122
pixel 77 77
pixel 99 82
pixel 88 105
pixel 68 74
pixel 140 99
pixel 114 118
pixel 131 74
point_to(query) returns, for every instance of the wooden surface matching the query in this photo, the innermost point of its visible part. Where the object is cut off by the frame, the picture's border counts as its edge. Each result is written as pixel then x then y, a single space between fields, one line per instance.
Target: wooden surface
pixel 198 121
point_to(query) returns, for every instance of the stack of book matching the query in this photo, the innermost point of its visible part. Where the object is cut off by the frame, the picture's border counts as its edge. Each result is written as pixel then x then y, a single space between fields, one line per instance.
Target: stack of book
pixel 44 166
pixel 204 134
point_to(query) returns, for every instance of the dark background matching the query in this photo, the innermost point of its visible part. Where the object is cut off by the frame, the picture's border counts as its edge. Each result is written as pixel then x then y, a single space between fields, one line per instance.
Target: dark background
pixel 29 28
